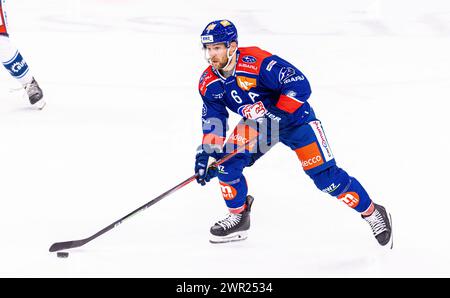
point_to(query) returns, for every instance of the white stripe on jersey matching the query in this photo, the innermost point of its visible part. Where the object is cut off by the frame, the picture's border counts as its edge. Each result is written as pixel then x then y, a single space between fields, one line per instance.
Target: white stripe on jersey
pixel 321 139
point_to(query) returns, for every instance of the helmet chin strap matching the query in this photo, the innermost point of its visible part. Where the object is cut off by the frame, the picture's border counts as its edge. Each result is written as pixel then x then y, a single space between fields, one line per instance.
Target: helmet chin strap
pixel 230 58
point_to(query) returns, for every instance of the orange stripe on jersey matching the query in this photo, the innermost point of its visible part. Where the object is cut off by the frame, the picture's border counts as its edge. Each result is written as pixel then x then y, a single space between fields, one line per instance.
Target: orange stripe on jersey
pixel 250 59
pixel 206 79
pixel 213 139
pixel 288 104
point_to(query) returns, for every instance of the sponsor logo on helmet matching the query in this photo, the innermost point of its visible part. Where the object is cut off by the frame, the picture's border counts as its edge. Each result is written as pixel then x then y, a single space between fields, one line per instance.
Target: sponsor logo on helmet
pixel 225 23
pixel 249 59
pixel 211 27
pixel 207 38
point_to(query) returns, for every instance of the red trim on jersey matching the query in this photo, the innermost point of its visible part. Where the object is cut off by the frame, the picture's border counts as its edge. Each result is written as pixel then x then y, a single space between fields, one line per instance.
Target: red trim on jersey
pixel 206 79
pixel 249 66
pixel 288 104
pixel 3 23
pixel 238 210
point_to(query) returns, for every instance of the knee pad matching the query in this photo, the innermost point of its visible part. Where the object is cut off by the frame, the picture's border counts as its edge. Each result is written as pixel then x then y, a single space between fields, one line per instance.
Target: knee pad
pixel 332 180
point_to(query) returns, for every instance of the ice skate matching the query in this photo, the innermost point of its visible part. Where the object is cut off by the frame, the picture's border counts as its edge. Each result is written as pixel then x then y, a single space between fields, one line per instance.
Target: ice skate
pixel 35 94
pixel 234 227
pixel 381 223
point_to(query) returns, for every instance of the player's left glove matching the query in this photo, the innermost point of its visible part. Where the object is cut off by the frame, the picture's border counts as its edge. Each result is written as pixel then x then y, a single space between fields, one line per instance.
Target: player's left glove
pixel 203 159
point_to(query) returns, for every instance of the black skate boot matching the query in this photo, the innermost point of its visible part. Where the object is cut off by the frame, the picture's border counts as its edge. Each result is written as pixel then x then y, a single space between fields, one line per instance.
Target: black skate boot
pixel 234 227
pixel 35 94
pixel 381 223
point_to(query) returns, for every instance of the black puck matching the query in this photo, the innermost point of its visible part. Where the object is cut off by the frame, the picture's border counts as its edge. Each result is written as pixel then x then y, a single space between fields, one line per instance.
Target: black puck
pixel 62 254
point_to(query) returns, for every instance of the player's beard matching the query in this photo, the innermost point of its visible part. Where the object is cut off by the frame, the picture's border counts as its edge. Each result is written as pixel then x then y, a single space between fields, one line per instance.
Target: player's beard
pixel 220 63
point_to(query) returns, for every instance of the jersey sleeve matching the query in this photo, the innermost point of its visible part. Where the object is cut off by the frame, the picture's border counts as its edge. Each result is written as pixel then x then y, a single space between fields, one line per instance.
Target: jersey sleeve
pixel 292 85
pixel 214 112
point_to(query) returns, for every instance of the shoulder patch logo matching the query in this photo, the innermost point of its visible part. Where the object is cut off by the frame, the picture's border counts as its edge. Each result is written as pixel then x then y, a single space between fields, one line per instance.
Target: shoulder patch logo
pixel 249 59
pixel 270 65
pixel 202 78
pixel 285 73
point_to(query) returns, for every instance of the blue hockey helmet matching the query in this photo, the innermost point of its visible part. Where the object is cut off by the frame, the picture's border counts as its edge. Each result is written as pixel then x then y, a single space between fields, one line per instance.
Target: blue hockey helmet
pixel 222 31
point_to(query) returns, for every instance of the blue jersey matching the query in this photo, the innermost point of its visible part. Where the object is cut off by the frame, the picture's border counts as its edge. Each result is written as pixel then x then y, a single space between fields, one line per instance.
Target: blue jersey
pixel 263 85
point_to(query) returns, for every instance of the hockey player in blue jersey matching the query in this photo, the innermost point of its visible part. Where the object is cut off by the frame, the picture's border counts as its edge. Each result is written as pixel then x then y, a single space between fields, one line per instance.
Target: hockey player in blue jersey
pixel 272 97
pixel 16 65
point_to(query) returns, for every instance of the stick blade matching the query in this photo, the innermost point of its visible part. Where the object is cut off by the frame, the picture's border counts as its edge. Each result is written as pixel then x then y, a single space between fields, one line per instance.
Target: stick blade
pixel 66 245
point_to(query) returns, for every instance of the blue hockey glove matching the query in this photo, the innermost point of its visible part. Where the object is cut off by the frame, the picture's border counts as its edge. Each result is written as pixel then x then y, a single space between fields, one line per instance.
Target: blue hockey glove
pixel 204 157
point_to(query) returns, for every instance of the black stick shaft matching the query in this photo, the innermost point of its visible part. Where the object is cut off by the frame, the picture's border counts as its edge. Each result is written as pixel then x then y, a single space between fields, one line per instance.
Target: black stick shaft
pixel 77 243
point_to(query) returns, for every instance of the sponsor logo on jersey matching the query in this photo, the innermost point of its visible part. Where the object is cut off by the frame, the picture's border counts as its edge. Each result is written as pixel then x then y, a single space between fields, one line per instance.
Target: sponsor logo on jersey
pixel 350 198
pixel 204 82
pixel 285 73
pixel 228 191
pixel 249 59
pixel 294 79
pixel 202 78
pixel 291 93
pixel 270 65
pixel 218 95
pixel 242 135
pixel 321 138
pixel 16 67
pixel 207 78
pixel 239 139
pixel 331 188
pixel 248 66
pixel 272 116
pixel 221 169
pixel 204 110
pixel 246 83
pixel 309 156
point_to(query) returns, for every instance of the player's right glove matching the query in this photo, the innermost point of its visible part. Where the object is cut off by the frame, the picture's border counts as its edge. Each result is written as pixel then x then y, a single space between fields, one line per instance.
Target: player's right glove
pixel 203 159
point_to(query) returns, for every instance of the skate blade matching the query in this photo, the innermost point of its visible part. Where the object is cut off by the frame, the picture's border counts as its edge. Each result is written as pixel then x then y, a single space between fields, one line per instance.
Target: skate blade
pixel 39 105
pixel 237 236
pixel 390 244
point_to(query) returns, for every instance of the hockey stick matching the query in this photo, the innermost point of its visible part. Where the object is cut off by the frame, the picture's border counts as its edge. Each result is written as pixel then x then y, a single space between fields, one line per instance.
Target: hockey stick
pixel 77 243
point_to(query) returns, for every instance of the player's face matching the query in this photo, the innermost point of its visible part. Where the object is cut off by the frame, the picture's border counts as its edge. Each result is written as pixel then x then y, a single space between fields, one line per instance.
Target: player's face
pixel 218 55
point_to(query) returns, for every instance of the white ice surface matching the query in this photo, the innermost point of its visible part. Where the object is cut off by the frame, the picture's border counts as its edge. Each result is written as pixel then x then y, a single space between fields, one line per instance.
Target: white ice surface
pixel 123 121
